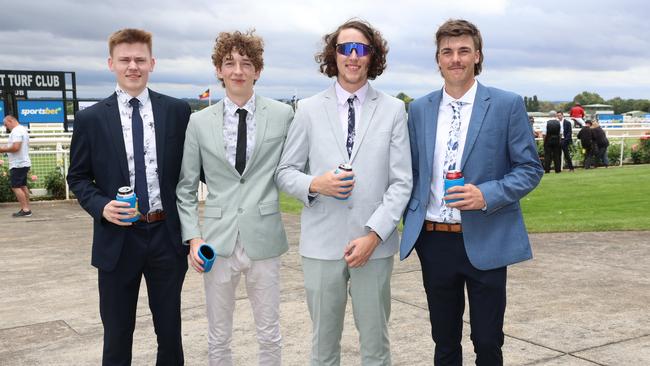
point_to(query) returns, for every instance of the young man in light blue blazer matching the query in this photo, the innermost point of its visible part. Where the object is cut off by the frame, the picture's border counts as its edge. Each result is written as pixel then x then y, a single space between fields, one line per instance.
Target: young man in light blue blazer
pixel 348 225
pixel 484 133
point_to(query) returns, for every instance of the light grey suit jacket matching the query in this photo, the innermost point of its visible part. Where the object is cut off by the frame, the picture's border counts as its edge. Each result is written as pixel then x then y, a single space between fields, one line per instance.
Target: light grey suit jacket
pixel 381 162
pixel 244 204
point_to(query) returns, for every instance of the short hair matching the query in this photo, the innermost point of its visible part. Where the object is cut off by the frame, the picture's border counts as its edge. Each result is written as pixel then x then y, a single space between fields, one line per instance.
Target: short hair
pixel 247 44
pixel 457 28
pixel 10 117
pixel 130 36
pixel 327 57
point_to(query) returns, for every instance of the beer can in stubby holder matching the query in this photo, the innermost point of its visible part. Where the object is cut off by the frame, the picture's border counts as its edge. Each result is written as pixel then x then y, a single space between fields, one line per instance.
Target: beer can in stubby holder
pixel 126 194
pixel 453 178
pixel 343 168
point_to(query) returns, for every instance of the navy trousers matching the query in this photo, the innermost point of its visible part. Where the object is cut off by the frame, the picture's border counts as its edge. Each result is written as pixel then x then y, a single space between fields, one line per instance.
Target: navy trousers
pixel 446 271
pixel 147 251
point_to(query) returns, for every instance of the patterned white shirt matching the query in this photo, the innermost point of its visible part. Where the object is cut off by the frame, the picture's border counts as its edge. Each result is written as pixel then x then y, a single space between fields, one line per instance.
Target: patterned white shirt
pixel 231 123
pixel 445 116
pixel 150 157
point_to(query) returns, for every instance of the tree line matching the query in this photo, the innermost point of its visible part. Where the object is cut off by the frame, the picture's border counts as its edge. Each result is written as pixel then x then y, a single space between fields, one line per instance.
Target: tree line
pixel 619 105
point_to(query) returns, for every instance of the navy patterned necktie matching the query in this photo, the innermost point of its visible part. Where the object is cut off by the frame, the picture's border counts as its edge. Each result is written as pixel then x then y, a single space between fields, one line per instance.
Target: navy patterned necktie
pixel 240 154
pixel 451 154
pixel 137 128
pixel 349 143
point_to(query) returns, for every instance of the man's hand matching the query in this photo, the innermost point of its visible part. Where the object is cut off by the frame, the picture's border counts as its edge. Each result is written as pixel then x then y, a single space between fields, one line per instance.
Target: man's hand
pixel 359 250
pixel 471 198
pixel 195 261
pixel 331 184
pixel 116 210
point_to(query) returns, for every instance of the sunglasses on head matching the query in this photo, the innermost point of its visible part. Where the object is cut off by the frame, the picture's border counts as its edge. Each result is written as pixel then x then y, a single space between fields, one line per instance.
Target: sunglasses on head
pixel 346 48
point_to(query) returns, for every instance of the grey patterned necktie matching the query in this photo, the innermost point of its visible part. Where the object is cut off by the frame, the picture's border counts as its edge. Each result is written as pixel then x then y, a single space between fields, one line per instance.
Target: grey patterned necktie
pixel 349 143
pixel 451 154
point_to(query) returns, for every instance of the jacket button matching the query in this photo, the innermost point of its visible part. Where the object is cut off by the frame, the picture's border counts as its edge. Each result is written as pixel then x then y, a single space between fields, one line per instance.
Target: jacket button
pixel 240 210
pixel 242 181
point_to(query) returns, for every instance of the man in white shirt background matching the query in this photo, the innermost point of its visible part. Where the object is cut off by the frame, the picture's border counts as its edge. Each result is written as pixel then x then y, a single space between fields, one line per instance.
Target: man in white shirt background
pixel 19 163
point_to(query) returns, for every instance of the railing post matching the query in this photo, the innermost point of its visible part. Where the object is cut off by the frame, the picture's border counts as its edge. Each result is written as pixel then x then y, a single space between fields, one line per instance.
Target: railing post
pixel 620 161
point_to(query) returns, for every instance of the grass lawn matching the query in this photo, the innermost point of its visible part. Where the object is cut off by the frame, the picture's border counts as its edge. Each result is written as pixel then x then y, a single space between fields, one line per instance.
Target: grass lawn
pixel 616 198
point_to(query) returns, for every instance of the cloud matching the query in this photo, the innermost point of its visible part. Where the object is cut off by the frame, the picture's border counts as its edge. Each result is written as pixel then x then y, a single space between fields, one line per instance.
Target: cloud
pixel 554 49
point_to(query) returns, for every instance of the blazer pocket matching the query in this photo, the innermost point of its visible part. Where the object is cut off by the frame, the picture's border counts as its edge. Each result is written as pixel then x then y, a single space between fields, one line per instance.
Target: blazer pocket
pixel 269 208
pixel 213 212
pixel 413 204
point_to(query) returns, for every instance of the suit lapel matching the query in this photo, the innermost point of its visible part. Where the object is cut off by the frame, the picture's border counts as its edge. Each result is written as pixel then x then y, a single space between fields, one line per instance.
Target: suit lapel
pixel 367 111
pixel 430 121
pixel 114 122
pixel 160 122
pixel 216 132
pixel 481 105
pixel 331 111
pixel 260 129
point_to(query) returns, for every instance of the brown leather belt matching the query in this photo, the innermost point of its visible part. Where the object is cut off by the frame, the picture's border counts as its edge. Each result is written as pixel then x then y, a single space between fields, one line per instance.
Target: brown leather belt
pixel 153 216
pixel 439 226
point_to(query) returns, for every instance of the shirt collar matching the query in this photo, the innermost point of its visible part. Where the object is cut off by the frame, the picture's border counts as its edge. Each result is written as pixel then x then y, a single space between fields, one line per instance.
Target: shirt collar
pixel 342 95
pixel 467 98
pixel 230 108
pixel 124 97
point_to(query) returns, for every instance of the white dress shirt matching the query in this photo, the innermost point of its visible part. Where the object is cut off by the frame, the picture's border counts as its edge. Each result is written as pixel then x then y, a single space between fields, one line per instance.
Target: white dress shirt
pixel 150 157
pixel 445 116
pixel 342 106
pixel 231 124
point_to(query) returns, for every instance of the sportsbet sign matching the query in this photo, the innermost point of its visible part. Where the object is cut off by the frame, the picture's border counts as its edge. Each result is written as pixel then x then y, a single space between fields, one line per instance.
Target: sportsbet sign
pixel 30 111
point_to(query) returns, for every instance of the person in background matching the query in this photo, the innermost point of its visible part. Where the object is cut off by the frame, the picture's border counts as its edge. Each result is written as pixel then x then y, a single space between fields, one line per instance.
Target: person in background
pixel 567 139
pixel 601 142
pixel 552 148
pixel 17 149
pixel 577 113
pixel 586 137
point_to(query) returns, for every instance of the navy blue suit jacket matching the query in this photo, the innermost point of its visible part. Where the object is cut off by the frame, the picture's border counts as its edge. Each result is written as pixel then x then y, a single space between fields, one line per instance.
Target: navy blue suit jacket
pixel 500 158
pixel 98 167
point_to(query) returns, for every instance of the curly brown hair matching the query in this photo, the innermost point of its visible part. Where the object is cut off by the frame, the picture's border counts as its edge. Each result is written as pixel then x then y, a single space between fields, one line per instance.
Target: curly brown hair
pixel 457 28
pixel 327 57
pixel 247 44
pixel 130 36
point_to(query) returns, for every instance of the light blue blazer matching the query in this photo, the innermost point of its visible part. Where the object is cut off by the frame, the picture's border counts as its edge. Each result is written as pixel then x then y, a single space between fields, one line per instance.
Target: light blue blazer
pixel 500 158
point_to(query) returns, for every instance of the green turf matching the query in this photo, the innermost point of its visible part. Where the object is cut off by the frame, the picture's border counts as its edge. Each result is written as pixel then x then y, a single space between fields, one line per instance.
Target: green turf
pixel 616 198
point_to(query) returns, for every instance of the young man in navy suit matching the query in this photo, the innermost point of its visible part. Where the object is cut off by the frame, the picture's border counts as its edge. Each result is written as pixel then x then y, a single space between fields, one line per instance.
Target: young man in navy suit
pixel 484 133
pixel 133 138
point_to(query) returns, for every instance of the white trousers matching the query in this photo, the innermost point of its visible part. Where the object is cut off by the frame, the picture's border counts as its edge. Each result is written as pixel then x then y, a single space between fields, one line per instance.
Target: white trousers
pixel 263 288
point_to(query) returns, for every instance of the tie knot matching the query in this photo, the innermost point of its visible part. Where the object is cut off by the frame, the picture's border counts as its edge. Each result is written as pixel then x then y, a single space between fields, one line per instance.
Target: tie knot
pixel 351 100
pixel 134 102
pixel 242 112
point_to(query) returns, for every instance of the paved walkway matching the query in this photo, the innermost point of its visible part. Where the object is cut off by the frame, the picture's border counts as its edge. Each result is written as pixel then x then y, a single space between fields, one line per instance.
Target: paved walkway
pixel 584 300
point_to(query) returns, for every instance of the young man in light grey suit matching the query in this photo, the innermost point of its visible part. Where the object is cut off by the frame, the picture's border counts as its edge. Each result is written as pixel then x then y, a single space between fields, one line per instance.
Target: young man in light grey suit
pixel 237 142
pixel 348 227
pixel 484 133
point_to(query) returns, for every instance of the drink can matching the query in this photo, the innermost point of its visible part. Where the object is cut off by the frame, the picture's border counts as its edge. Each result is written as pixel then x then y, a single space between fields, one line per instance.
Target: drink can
pixel 126 194
pixel 453 178
pixel 344 167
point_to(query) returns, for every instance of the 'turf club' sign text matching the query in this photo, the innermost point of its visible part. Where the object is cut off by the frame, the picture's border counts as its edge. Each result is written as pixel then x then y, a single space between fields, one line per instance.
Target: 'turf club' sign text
pixel 32 80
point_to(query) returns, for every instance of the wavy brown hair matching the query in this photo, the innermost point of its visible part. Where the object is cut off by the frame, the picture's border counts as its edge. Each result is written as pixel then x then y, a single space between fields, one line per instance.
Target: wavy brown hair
pixel 130 36
pixel 327 57
pixel 457 28
pixel 247 44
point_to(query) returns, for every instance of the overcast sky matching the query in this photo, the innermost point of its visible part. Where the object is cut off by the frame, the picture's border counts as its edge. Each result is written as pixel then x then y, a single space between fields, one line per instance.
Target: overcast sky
pixel 554 49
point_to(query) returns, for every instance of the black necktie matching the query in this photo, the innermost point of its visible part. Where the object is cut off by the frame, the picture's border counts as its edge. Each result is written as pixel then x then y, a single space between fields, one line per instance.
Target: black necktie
pixel 240 156
pixel 350 141
pixel 137 128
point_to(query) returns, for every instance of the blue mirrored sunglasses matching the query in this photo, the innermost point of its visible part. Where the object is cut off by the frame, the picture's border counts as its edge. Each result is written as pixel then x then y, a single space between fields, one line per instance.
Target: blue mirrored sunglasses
pixel 346 49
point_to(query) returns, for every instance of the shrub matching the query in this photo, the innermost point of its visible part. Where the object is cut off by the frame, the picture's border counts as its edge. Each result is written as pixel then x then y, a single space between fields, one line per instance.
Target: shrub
pixel 641 151
pixel 6 194
pixel 55 183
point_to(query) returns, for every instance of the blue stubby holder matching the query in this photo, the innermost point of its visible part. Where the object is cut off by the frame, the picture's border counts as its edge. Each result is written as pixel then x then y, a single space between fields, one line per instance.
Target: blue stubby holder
pixel 452 183
pixel 337 171
pixel 207 255
pixel 133 203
